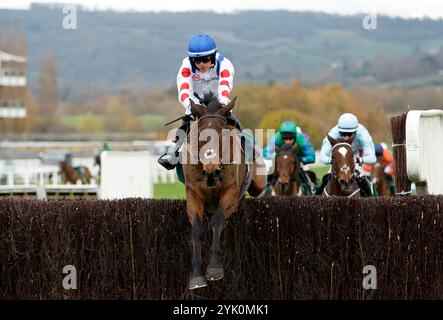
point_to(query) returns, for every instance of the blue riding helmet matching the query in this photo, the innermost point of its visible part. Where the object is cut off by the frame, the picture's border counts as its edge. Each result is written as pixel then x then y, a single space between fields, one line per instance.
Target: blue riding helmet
pixel 378 149
pixel 201 45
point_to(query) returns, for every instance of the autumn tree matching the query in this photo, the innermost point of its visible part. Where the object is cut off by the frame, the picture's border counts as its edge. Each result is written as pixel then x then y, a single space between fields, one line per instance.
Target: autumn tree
pixel 119 117
pixel 91 123
pixel 48 87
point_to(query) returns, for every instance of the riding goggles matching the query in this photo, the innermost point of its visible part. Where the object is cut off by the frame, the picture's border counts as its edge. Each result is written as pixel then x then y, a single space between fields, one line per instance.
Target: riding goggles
pixel 199 60
pixel 346 134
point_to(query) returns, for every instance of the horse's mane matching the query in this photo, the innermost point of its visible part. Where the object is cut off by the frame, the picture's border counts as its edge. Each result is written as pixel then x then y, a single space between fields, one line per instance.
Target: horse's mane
pixel 211 102
pixel 287 147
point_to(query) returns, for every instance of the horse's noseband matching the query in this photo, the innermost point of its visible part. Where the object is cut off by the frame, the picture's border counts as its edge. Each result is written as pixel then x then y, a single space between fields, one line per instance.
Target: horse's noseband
pixel 213 178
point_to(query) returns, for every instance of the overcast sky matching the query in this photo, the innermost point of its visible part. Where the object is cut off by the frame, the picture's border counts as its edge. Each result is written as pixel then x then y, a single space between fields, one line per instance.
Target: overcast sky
pixel 403 8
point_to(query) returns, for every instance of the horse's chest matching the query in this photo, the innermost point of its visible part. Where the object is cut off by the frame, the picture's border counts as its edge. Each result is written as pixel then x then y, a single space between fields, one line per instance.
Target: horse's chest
pixel 212 202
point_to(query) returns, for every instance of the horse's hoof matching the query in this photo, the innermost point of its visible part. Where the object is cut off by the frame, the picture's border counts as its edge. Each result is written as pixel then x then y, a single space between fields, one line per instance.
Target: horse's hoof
pixel 214 273
pixel 197 282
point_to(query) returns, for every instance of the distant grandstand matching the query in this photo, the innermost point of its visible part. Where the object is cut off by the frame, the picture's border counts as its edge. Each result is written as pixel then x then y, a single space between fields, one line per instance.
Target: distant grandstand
pixel 12 85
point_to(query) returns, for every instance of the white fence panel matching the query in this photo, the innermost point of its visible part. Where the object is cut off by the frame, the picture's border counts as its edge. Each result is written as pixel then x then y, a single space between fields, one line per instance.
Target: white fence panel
pixel 424 150
pixel 126 175
pixel 161 175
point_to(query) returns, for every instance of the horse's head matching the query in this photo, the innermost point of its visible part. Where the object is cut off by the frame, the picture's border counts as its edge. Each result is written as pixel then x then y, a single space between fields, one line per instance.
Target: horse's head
pixel 343 164
pixel 378 171
pixel 211 124
pixel 63 165
pixel 287 165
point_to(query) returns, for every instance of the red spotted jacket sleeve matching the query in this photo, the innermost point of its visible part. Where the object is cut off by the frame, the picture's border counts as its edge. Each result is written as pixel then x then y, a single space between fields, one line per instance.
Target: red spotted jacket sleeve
pixel 226 81
pixel 184 85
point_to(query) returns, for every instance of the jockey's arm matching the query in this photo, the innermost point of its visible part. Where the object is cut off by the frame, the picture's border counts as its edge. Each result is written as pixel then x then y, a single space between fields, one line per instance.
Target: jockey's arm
pixel 269 150
pixel 325 152
pixel 308 152
pixel 388 158
pixel 184 86
pixel 368 147
pixel 226 81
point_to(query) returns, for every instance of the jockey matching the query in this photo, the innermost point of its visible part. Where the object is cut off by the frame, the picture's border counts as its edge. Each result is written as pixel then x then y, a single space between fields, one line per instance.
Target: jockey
pixel 347 129
pixel 382 151
pixel 106 147
pixel 204 70
pixel 289 133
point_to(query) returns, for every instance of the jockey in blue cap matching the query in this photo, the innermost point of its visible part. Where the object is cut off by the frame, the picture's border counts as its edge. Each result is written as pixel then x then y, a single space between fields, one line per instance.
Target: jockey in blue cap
pixel 347 129
pixel 204 70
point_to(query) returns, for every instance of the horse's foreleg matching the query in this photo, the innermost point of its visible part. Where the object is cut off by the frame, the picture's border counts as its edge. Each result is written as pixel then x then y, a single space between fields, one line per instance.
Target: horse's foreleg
pixel 215 269
pixel 259 178
pixel 228 205
pixel 195 214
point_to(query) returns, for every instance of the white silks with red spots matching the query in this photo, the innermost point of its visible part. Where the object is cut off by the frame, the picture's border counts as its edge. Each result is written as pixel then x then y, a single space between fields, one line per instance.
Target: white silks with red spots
pixel 189 82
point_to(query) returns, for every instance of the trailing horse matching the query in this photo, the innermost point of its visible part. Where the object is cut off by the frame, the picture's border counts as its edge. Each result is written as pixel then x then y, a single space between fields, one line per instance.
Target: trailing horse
pixel 287 172
pixel 380 179
pixel 72 174
pixel 217 176
pixel 342 179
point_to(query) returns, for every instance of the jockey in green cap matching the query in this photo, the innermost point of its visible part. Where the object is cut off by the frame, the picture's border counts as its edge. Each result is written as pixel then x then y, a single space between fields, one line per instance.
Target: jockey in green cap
pixel 289 133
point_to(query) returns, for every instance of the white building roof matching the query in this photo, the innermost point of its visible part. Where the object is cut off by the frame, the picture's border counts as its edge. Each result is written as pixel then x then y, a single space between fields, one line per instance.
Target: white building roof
pixel 4 56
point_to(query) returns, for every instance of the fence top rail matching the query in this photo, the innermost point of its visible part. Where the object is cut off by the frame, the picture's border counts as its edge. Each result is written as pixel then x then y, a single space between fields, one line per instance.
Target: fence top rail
pixel 429 113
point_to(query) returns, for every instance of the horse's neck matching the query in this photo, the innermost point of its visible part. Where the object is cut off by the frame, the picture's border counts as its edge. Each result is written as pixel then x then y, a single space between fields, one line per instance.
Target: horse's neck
pixel 69 170
pixel 382 185
pixel 192 151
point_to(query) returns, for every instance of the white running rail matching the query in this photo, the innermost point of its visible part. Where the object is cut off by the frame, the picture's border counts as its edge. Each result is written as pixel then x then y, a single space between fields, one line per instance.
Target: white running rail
pixel 424 150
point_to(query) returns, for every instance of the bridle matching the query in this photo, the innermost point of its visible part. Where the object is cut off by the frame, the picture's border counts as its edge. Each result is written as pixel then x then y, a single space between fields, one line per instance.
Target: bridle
pixel 218 173
pixel 334 174
pixel 206 116
pixel 293 176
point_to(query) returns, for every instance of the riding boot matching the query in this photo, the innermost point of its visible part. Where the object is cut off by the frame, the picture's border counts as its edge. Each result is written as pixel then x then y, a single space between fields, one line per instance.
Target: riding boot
pixel 305 185
pixel 169 161
pixel 269 182
pixel 323 184
pixel 391 184
pixel 365 186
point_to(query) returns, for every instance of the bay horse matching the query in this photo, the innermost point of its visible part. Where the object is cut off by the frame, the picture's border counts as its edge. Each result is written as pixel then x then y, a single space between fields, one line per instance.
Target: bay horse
pixel 72 174
pixel 287 172
pixel 342 181
pixel 216 181
pixel 379 178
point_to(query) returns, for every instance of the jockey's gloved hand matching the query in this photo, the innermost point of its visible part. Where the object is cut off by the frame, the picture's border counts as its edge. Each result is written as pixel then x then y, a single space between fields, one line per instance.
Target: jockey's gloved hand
pixel 200 99
pixel 358 160
pixel 388 169
pixel 189 112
